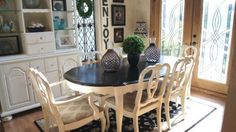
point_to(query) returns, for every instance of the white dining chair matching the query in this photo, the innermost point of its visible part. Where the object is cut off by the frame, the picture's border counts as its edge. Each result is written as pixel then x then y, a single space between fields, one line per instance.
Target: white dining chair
pixel 67 114
pixel 119 51
pixel 148 96
pixel 92 55
pixel 177 85
pixel 191 51
pixel 67 63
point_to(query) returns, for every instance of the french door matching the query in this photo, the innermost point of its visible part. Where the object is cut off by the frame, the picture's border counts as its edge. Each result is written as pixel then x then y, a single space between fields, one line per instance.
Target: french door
pixel 207 23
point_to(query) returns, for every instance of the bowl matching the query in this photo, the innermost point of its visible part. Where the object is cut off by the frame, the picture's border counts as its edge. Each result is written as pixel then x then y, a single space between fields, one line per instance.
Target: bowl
pixel 36 29
pixel 30 4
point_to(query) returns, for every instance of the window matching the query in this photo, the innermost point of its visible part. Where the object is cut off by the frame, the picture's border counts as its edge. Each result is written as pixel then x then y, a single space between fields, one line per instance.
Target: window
pixel 86 35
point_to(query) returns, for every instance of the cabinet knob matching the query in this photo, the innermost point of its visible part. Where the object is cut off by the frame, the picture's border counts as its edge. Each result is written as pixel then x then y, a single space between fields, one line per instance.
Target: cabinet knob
pixel 41 38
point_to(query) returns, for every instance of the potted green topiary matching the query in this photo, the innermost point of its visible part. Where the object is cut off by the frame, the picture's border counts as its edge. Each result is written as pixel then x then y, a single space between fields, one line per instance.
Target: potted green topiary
pixel 133 45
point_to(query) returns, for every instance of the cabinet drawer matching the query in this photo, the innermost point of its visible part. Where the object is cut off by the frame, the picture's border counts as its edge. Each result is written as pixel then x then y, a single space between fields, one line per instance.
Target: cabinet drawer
pixel 51 64
pixel 39 48
pixel 34 38
pixel 38 64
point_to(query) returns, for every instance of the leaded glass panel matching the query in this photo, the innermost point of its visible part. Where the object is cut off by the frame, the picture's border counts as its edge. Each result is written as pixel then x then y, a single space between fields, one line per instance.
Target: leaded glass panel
pixel 216 33
pixel 172 27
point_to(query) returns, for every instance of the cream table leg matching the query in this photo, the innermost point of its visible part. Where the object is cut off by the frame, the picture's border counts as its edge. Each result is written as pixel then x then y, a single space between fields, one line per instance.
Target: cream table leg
pixel 119 109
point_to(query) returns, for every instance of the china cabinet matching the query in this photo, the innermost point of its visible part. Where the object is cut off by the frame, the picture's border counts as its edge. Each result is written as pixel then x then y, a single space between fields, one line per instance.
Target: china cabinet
pixel 45 35
pixel 9 28
pixel 64 27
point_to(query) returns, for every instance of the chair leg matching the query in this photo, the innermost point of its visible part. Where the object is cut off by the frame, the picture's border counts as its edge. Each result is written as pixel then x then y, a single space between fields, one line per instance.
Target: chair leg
pixel 61 128
pixel 47 121
pixel 188 87
pixel 183 105
pixel 135 124
pixel 107 117
pixel 167 113
pixel 158 118
pixel 46 126
pixel 103 122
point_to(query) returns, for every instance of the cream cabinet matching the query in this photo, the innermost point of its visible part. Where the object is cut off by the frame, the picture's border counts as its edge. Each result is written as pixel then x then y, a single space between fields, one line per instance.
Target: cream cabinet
pixel 36 43
pixel 39 50
pixel 64 27
pixel 16 89
pixel 36 27
pixel 16 86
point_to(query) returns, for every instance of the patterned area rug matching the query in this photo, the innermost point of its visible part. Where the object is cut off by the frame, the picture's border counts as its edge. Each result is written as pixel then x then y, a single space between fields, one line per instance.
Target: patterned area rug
pixel 196 112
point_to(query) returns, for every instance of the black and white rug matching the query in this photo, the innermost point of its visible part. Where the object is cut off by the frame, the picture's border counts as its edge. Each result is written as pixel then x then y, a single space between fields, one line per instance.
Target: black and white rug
pixel 196 112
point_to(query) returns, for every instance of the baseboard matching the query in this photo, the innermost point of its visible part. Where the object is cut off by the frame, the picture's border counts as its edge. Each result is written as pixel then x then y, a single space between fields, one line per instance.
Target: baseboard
pixel 209 92
pixel 15 111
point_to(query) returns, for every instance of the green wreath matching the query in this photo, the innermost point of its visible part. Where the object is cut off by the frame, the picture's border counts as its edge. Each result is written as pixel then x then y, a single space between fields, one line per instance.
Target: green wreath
pixel 80 8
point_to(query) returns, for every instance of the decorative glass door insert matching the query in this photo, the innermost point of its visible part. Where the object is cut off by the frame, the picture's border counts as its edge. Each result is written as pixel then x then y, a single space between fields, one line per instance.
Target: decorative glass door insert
pixel 216 34
pixel 172 21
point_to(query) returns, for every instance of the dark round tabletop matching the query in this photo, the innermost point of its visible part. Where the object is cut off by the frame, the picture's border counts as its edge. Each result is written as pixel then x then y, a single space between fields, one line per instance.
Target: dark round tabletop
pixel 94 75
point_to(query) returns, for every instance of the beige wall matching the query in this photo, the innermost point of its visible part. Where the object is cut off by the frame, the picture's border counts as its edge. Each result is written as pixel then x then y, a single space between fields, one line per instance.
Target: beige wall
pixel 136 10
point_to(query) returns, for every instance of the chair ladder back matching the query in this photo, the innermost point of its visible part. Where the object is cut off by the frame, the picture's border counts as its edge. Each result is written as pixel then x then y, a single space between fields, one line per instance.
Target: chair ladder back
pixel 189 69
pixel 191 51
pixel 41 96
pixel 92 55
pixel 69 64
pixel 42 88
pixel 178 75
pixel 145 98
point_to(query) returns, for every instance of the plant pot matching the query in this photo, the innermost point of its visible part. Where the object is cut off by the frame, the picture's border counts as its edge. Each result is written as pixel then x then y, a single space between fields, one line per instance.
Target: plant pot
pixel 133 59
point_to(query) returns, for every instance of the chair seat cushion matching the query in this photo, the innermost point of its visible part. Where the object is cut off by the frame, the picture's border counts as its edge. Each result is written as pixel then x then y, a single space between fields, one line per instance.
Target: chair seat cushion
pixel 75 111
pixel 129 100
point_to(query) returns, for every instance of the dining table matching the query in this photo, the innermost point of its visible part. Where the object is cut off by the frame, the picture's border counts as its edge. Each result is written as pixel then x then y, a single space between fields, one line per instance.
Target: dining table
pixel 92 78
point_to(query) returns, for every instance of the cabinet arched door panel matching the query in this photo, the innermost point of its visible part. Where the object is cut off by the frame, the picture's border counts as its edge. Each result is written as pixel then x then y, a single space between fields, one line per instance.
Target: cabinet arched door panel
pixel 18 87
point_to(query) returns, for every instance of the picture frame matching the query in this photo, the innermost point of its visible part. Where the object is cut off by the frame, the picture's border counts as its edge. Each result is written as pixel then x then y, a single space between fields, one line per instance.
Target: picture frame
pixel 9 45
pixel 66 41
pixel 118 1
pixel 118 15
pixel 59 5
pixel 118 35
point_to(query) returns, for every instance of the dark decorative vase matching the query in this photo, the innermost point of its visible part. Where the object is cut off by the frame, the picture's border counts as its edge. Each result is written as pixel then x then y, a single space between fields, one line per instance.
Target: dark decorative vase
pixel 133 59
pixel 110 61
pixel 152 53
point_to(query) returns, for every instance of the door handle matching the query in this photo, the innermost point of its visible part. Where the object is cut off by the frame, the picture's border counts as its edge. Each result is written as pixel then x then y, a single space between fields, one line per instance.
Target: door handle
pixel 193 43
